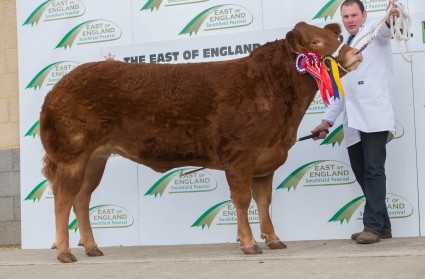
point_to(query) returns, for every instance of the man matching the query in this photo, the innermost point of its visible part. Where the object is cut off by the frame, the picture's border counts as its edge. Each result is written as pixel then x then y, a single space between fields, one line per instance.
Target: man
pixel 368 117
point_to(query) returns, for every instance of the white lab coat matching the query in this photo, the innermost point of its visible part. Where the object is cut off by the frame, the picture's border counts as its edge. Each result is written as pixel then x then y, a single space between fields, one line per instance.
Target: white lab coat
pixel 368 105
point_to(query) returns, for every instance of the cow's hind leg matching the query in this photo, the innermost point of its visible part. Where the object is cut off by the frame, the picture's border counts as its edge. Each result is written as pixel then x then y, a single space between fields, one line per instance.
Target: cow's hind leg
pixel 65 185
pixel 92 178
pixel 240 190
pixel 262 192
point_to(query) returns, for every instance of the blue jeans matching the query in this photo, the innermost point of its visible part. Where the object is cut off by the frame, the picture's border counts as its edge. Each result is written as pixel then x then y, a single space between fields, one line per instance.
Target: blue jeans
pixel 367 159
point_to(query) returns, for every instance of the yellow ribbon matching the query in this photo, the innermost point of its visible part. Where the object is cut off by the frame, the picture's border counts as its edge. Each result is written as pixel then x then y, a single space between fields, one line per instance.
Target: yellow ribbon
pixel 334 73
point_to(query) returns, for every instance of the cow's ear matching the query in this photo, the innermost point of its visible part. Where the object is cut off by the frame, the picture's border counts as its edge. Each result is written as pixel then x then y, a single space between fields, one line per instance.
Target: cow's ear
pixel 293 41
pixel 335 28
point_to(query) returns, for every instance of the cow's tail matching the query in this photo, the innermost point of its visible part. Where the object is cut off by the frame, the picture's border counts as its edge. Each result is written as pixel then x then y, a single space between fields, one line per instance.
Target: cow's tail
pixel 49 168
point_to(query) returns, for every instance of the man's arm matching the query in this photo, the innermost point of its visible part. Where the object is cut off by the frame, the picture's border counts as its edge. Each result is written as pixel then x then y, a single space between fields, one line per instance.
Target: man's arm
pixel 331 114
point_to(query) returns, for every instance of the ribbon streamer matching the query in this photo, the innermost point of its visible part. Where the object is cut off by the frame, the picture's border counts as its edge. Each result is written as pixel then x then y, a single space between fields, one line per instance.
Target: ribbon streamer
pixel 324 71
pixel 332 68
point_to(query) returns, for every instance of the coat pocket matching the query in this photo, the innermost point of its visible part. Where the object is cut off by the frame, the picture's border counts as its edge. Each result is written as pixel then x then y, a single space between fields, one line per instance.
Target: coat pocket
pixel 371 91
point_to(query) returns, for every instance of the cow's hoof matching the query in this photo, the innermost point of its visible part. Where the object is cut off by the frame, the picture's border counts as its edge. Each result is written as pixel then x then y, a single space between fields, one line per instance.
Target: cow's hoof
pixel 94 252
pixel 276 244
pixel 252 250
pixel 67 258
pixel 53 246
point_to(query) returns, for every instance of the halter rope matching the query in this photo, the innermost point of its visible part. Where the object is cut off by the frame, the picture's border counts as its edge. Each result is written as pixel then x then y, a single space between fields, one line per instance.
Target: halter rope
pixel 399 29
pixel 336 54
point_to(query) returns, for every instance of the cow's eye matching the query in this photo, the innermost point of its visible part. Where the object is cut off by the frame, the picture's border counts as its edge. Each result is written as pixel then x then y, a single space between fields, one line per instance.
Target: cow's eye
pixel 316 42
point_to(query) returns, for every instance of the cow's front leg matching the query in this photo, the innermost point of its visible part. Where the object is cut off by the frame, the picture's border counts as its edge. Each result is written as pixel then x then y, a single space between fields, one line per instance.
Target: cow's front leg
pixel 240 192
pixel 262 192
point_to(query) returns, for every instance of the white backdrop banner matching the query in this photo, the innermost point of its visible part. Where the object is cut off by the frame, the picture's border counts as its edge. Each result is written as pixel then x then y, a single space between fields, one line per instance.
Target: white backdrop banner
pixel 315 196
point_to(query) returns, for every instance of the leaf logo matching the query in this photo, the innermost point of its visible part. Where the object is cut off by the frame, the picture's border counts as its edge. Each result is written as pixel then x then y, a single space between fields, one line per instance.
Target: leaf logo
pixel 225 214
pixel 38 191
pixel 219 17
pixel 347 211
pixel 51 74
pixel 293 180
pixel 35 16
pixel 55 10
pixel 397 206
pixel 151 4
pixel 34 130
pixel 185 180
pixel 336 136
pixel 329 9
pixel 106 216
pixel 207 218
pixel 92 31
pixel 161 184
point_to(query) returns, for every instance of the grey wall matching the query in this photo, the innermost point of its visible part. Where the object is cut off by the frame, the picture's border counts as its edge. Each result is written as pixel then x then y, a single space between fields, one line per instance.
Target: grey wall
pixel 10 205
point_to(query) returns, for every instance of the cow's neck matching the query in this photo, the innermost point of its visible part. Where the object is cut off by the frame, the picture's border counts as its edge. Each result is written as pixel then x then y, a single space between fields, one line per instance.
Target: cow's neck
pixel 292 91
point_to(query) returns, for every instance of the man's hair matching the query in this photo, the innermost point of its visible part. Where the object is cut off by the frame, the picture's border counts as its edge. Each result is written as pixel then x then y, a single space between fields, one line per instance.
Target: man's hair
pixel 351 2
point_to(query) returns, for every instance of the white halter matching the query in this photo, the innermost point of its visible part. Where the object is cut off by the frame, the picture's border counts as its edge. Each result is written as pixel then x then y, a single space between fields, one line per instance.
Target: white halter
pixel 336 54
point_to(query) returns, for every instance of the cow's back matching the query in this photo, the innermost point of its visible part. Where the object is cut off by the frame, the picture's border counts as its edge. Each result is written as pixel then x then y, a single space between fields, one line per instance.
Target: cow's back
pixel 150 111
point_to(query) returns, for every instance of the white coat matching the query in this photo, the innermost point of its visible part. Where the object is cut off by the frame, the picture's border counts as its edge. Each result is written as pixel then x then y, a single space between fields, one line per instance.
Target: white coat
pixel 367 106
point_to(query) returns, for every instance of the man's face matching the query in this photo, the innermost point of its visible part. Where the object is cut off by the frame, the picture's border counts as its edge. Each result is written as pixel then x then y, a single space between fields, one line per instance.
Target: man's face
pixel 352 18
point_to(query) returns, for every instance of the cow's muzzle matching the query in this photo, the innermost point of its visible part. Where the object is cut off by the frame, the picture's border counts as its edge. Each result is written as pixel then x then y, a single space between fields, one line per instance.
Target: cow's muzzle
pixel 357 57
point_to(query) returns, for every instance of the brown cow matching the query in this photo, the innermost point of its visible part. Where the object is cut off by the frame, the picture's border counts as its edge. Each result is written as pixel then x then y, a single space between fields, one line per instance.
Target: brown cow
pixel 239 116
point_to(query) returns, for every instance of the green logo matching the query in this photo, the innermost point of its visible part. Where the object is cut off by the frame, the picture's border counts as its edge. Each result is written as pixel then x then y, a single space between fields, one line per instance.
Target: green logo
pixel 336 136
pixel 329 9
pixel 224 213
pixel 55 10
pixel 151 4
pixel 184 180
pixel 347 211
pixel 51 74
pixel 423 32
pixel 92 31
pixel 219 17
pixel 34 130
pixel 106 216
pixel 397 206
pixel 39 190
pixel 319 173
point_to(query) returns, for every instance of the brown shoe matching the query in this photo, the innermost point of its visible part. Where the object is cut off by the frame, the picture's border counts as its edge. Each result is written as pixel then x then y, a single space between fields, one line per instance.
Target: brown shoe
pixel 367 237
pixel 355 235
pixel 386 233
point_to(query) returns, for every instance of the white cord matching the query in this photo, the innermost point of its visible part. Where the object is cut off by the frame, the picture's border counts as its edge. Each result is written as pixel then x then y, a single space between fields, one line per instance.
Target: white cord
pixel 400 29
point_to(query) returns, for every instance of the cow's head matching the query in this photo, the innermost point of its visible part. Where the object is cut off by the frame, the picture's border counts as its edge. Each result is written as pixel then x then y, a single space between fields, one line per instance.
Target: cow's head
pixel 325 41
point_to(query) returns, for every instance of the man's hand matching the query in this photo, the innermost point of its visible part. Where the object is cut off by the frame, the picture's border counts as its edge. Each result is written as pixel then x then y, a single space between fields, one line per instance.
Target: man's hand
pixel 322 127
pixel 393 12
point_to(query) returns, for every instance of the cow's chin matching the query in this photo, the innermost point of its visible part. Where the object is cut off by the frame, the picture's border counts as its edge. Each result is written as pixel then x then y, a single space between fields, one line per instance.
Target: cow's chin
pixel 353 60
pixel 353 66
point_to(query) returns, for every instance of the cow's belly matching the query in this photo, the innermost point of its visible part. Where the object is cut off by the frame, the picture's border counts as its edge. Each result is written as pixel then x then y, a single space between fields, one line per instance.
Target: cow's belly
pixel 166 157
pixel 270 159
